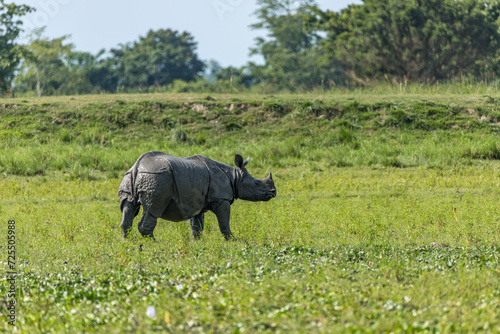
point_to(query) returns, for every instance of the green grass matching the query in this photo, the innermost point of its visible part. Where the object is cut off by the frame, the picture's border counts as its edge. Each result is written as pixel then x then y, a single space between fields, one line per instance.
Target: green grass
pixel 362 237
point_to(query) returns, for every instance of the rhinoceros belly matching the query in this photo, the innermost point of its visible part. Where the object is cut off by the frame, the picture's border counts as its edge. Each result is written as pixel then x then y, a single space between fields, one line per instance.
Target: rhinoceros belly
pixel 176 212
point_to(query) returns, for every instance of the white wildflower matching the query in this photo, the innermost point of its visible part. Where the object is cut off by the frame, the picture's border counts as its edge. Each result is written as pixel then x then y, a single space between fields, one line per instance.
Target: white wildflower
pixel 151 312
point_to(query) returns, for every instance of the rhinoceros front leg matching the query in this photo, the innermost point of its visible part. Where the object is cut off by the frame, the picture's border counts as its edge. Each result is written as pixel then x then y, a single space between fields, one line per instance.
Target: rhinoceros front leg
pixel 147 224
pixel 223 211
pixel 197 224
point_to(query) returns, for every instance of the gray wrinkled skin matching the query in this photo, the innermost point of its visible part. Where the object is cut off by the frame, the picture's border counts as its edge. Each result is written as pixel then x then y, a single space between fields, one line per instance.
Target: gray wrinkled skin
pixel 178 189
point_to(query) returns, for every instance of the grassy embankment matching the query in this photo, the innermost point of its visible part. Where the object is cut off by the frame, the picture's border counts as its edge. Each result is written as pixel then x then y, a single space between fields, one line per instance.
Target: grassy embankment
pixel 363 236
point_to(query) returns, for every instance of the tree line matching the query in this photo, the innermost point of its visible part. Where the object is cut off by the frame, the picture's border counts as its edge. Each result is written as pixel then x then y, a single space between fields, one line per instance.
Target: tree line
pixel 303 48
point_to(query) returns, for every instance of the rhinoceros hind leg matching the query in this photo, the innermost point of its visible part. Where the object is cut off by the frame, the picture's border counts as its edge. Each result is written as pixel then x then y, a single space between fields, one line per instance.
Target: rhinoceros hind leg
pixel 147 224
pixel 129 211
pixel 197 224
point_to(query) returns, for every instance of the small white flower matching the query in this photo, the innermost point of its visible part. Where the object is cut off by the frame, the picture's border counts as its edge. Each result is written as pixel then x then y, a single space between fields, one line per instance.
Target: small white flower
pixel 179 287
pixel 151 312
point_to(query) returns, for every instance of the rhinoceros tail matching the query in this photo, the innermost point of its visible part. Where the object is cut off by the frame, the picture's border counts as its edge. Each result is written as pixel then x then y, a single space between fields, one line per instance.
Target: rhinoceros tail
pixel 133 175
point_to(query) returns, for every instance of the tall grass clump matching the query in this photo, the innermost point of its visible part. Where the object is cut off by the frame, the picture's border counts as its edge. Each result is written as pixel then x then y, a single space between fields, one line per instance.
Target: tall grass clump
pixel 489 150
pixel 178 135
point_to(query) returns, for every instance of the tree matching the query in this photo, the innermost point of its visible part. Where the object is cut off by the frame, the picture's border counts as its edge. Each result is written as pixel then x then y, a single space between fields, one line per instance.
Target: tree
pixel 44 69
pixel 292 59
pixel 212 68
pixel 230 76
pixel 421 40
pixel 235 76
pixel 157 59
pixel 87 73
pixel 10 28
pixel 52 66
pixel 102 74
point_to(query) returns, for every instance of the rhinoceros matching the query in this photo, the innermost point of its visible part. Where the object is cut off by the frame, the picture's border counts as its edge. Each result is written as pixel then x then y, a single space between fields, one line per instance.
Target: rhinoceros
pixel 179 189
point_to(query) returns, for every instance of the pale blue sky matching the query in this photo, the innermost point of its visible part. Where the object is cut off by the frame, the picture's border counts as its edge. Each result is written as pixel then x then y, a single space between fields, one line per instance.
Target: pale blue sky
pixel 221 27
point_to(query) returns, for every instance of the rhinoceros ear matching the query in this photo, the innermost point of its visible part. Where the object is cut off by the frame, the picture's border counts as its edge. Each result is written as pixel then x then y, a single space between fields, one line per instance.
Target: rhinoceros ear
pixel 238 161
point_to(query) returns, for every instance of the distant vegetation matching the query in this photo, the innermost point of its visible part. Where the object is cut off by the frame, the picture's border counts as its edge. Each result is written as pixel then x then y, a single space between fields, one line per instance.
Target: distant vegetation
pixel 107 133
pixel 304 49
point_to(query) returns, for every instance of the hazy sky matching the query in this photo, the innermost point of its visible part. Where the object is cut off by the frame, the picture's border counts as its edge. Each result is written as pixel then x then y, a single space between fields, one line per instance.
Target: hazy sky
pixel 221 27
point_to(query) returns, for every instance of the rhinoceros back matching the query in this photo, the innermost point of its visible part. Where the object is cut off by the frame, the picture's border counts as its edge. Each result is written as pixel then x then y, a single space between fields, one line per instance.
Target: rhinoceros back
pixel 171 187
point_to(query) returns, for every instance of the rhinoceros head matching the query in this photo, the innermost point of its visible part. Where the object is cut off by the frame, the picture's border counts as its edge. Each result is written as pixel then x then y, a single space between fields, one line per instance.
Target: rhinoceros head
pixel 250 188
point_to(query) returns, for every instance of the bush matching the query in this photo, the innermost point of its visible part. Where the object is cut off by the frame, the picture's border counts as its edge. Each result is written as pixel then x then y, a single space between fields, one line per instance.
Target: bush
pixel 178 135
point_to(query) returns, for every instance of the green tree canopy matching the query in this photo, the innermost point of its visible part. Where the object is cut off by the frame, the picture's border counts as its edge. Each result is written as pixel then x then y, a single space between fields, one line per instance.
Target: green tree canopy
pixel 421 40
pixel 10 28
pixel 157 59
pixel 292 59
pixel 53 67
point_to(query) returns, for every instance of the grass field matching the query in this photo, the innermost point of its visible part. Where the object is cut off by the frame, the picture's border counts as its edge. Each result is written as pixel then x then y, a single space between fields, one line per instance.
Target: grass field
pixel 386 218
